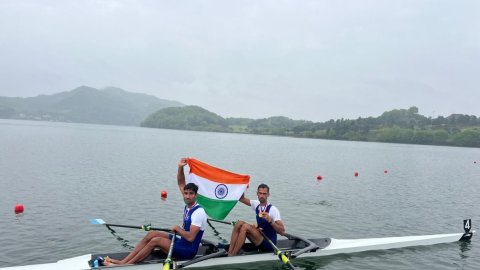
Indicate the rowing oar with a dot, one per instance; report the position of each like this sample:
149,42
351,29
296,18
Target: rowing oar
281,255
142,227
168,260
222,221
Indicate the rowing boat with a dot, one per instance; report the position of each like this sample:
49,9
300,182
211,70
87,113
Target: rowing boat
211,254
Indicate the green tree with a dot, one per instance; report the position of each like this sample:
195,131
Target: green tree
188,117
467,137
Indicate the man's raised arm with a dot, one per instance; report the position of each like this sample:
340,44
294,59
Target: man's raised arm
244,200
181,174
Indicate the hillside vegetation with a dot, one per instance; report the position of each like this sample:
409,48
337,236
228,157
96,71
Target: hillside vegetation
186,118
85,105
395,126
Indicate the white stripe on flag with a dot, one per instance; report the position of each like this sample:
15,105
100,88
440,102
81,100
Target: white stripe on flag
209,188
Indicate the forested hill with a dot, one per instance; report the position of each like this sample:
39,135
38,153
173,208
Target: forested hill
396,126
84,104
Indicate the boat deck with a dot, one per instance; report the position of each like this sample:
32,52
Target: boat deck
208,250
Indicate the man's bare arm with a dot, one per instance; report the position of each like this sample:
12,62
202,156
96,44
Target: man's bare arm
244,200
181,174
190,235
278,226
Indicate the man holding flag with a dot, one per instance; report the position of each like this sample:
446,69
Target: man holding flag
190,233
268,220
218,193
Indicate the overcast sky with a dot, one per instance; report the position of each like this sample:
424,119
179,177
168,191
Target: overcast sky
311,60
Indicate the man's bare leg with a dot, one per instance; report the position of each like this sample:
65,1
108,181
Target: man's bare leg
150,235
246,230
157,242
239,241
235,233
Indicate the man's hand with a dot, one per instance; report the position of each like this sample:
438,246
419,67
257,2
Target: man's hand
266,216
177,229
182,162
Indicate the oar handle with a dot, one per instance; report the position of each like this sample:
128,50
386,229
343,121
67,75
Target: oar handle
168,261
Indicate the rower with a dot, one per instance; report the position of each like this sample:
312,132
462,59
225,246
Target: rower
268,219
190,233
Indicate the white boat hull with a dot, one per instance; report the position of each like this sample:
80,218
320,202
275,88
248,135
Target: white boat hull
79,262
335,246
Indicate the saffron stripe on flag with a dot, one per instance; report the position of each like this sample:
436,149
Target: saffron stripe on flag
216,174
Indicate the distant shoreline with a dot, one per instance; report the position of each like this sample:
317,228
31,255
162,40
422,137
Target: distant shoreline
396,126
251,133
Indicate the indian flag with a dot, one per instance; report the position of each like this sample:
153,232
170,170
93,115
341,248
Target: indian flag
218,190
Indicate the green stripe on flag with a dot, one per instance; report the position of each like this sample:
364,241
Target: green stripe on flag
217,209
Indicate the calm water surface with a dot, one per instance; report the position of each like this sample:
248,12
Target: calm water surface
65,174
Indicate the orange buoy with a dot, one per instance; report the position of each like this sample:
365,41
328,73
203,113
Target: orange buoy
356,174
19,208
319,177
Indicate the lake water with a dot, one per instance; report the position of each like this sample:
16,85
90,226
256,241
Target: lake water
65,174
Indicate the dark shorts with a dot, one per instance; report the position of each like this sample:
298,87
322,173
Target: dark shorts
183,250
265,246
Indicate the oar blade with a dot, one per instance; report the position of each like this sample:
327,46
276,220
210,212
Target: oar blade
97,221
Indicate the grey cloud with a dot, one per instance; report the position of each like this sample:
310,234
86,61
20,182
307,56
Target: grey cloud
311,60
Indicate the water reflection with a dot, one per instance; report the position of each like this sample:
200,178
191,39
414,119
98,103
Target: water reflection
216,233
465,247
125,243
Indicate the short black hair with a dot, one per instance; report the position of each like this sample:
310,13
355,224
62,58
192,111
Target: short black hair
192,187
264,186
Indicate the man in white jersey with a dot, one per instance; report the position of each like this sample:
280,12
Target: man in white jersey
268,219
189,234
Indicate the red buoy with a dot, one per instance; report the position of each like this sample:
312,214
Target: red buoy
163,194
356,174
319,177
385,171
19,208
